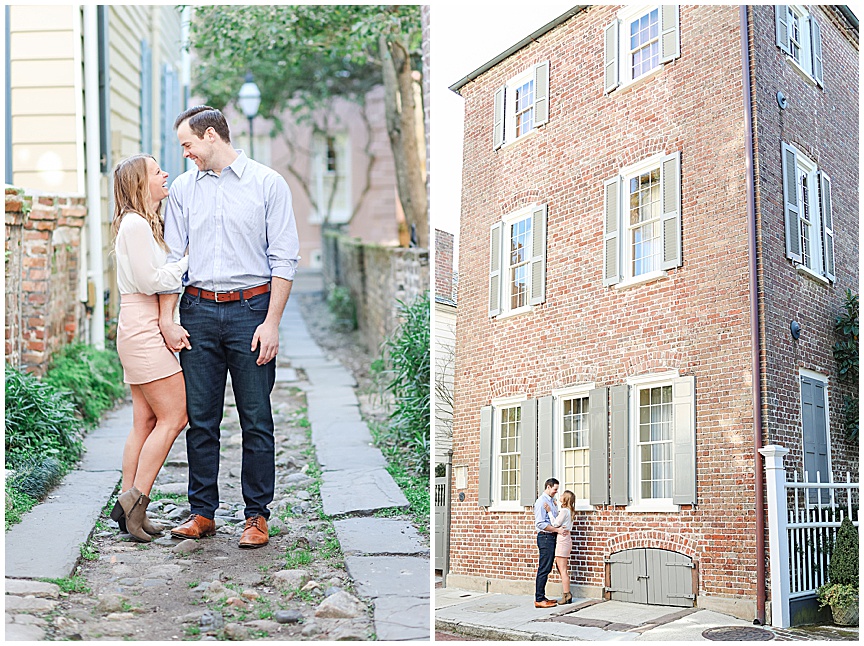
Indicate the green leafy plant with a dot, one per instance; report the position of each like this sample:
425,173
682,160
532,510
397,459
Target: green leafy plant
17,504
342,307
846,356
92,378
70,584
40,422
35,476
409,360
841,591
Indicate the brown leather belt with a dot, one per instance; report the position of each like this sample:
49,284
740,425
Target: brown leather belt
224,297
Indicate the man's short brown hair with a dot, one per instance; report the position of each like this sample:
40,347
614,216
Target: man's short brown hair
202,117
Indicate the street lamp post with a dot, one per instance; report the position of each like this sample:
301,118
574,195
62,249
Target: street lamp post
249,100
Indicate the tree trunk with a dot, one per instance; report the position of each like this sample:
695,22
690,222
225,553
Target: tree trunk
400,113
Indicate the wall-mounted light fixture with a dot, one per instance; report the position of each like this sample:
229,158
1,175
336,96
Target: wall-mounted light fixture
795,328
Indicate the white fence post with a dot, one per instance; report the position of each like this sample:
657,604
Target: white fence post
778,539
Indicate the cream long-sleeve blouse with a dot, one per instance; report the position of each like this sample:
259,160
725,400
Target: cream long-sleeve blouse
141,266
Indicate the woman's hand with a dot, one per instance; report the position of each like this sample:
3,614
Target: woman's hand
547,507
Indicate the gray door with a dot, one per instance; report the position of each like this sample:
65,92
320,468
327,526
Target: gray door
442,522
652,576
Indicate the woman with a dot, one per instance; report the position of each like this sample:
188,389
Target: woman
149,367
564,543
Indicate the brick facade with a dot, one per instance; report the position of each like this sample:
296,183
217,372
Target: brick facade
694,321
444,265
43,311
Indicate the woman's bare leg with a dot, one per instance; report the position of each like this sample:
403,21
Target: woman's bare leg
167,399
143,421
561,564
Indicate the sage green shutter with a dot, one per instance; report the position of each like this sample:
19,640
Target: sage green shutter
484,490
827,225
781,19
528,453
670,45
611,242
814,429
498,129
495,261
670,183
541,93
816,45
610,76
619,432
791,209
545,457
538,256
598,448
684,441
146,112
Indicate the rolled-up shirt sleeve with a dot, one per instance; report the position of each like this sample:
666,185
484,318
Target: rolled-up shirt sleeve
176,233
283,244
541,518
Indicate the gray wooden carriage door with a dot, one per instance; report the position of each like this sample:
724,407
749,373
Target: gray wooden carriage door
652,576
442,521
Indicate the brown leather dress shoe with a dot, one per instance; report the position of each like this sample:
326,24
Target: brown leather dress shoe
195,527
547,603
255,533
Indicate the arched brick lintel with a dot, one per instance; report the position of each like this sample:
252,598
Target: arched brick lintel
652,539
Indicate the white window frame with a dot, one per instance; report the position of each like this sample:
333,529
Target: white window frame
561,394
510,107
626,17
638,504
626,245
817,376
497,406
814,205
805,43
319,172
509,220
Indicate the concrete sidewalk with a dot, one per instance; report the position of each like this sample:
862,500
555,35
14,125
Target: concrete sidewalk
503,617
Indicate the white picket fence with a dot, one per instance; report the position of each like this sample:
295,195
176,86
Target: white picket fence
803,518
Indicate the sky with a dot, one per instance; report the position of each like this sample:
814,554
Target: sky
464,37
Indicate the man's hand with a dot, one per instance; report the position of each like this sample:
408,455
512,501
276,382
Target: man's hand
563,531
176,337
268,335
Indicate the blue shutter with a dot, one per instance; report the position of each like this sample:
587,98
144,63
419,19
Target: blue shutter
484,492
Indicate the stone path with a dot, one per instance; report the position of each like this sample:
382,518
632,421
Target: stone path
332,571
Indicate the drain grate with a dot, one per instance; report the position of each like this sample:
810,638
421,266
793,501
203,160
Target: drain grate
737,634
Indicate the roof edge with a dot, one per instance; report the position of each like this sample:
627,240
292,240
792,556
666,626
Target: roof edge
850,17
458,85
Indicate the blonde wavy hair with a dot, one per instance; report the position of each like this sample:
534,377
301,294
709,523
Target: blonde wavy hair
567,499
132,193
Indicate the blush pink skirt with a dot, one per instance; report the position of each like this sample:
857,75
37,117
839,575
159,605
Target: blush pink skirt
142,350
563,545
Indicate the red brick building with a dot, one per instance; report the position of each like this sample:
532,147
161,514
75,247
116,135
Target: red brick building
624,170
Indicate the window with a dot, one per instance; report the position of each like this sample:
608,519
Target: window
517,274
642,236
652,439
574,440
509,433
331,178
808,216
639,41
521,105
799,36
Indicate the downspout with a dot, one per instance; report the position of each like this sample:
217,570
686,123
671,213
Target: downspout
95,269
756,360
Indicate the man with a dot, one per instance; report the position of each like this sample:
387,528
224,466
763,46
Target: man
236,217
547,534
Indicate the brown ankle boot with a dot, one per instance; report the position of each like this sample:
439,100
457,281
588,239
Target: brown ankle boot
118,515
134,505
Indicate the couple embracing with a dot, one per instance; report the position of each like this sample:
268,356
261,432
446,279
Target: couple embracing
229,243
554,541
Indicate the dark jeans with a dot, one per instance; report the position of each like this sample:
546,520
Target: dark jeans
221,335
546,545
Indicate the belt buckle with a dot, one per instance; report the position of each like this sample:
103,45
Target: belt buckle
216,297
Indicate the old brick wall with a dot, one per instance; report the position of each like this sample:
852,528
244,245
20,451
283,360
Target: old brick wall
444,287
695,320
822,123
377,278
43,311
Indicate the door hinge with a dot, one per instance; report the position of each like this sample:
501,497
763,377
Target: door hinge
617,590
681,596
690,565
617,562
643,576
